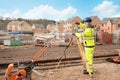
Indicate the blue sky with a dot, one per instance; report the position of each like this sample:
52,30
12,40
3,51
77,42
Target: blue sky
59,9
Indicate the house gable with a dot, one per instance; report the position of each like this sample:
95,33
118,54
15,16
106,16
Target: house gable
19,26
110,24
117,24
60,26
12,26
95,21
24,26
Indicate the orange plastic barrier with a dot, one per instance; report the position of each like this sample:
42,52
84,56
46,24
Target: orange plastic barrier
105,37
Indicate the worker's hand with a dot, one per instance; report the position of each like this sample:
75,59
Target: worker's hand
76,34
77,23
80,30
73,33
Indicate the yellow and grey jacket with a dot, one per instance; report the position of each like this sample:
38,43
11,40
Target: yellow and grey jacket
87,35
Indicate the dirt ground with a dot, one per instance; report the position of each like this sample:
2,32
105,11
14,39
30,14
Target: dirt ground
22,53
103,71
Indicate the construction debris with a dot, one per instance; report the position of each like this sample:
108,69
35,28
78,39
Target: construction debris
116,37
101,72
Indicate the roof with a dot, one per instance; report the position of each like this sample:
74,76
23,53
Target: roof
92,17
39,25
71,19
112,20
14,23
60,22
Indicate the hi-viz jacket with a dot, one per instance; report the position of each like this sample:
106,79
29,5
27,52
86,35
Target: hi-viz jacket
87,35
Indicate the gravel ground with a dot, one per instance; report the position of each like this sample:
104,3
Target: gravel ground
103,71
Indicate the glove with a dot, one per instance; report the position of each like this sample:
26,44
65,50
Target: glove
77,35
81,25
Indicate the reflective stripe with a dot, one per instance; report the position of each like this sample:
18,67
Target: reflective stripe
89,38
90,65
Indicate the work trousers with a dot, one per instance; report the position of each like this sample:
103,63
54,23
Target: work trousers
89,57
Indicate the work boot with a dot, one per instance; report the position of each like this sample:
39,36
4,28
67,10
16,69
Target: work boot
86,72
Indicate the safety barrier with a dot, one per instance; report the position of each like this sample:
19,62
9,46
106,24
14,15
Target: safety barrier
105,37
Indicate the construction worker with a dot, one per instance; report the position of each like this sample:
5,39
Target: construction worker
87,37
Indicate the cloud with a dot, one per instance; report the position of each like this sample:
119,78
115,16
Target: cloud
15,14
49,12
44,12
106,8
116,15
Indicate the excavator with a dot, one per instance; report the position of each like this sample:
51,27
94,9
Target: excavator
24,70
